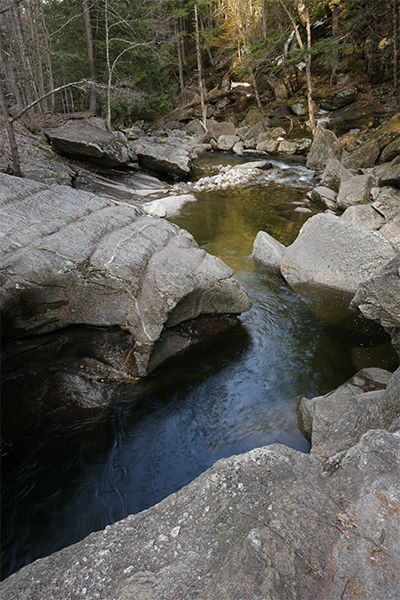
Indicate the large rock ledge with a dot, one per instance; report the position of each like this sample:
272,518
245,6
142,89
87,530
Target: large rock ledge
272,523
72,260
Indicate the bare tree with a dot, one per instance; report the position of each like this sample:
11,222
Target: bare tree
200,70
305,17
24,57
89,43
335,34
10,133
395,8
180,61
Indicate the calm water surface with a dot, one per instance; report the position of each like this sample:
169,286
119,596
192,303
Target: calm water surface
70,474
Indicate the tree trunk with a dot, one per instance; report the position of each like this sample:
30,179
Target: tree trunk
255,88
180,63
210,57
264,19
37,62
48,58
335,34
24,58
306,17
10,74
109,70
10,132
396,51
89,43
308,71
199,68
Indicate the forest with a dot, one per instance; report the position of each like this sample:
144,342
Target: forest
129,59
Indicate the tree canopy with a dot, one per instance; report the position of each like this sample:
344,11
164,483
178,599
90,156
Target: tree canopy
138,57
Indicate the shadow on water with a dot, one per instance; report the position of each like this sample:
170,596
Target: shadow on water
70,474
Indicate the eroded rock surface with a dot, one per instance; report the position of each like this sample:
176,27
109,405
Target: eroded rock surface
69,258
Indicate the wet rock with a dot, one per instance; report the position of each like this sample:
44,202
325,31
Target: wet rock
325,146
267,251
80,138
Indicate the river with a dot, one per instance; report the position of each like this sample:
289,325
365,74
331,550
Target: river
75,472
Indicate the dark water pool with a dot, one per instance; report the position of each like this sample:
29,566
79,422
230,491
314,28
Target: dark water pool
72,473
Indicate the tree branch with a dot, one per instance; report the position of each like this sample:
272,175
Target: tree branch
59,89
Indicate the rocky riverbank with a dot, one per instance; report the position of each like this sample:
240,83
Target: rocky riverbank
272,523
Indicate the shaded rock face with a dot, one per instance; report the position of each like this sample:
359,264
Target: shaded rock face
83,139
378,298
336,421
337,99
70,258
334,174
355,190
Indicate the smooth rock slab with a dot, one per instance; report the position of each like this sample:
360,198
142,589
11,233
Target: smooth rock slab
272,523
83,139
267,251
333,253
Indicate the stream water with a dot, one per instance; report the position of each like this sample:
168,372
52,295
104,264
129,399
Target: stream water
73,473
